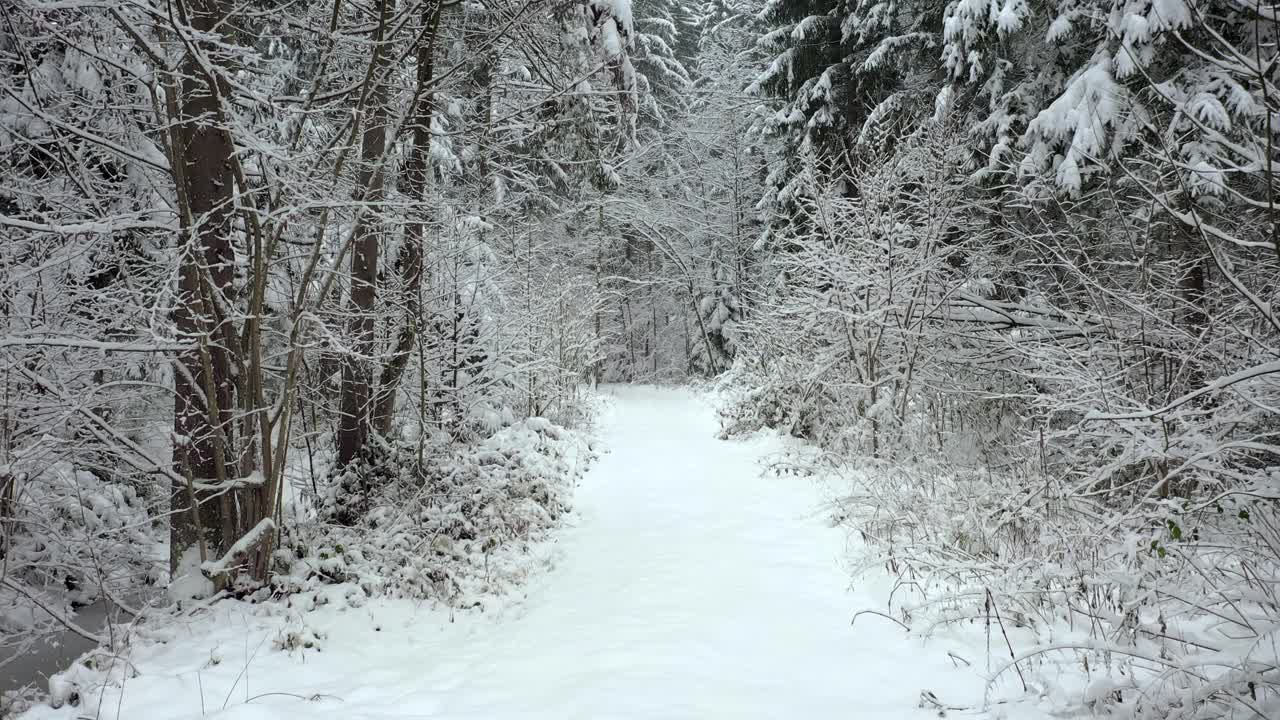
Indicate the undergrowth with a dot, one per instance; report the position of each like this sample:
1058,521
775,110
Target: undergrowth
1090,603
451,528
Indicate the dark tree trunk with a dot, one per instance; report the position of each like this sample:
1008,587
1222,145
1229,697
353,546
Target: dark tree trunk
355,404
204,385
417,171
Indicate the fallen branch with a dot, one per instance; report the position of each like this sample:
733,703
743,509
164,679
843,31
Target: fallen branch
239,551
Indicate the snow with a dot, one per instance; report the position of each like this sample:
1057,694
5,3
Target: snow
1081,116
1058,29
620,10
690,585
188,582
1169,14
609,33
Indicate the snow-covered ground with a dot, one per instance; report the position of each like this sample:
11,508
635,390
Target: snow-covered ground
688,585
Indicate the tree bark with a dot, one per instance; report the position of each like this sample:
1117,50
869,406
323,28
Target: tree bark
204,385
416,173
354,408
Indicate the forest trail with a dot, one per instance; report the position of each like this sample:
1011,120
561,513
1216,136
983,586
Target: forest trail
696,587
689,585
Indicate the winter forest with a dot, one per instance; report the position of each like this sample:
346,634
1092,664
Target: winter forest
325,316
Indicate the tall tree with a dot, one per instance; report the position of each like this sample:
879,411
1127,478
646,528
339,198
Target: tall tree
215,505
415,181
355,405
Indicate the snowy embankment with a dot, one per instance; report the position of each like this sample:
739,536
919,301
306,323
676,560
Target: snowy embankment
687,585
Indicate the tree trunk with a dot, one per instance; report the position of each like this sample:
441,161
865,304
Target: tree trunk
204,385
354,411
417,171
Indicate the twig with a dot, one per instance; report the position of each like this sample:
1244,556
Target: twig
312,698
883,615
1012,656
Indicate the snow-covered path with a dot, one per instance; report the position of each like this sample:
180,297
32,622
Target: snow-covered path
694,587
690,586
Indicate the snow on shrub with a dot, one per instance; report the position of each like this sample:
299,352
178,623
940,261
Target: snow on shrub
1166,613
452,528
72,528
73,538
1057,437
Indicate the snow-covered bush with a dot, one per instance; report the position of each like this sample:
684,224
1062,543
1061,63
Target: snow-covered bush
1063,413
451,527
1160,612
73,539
852,350
71,528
